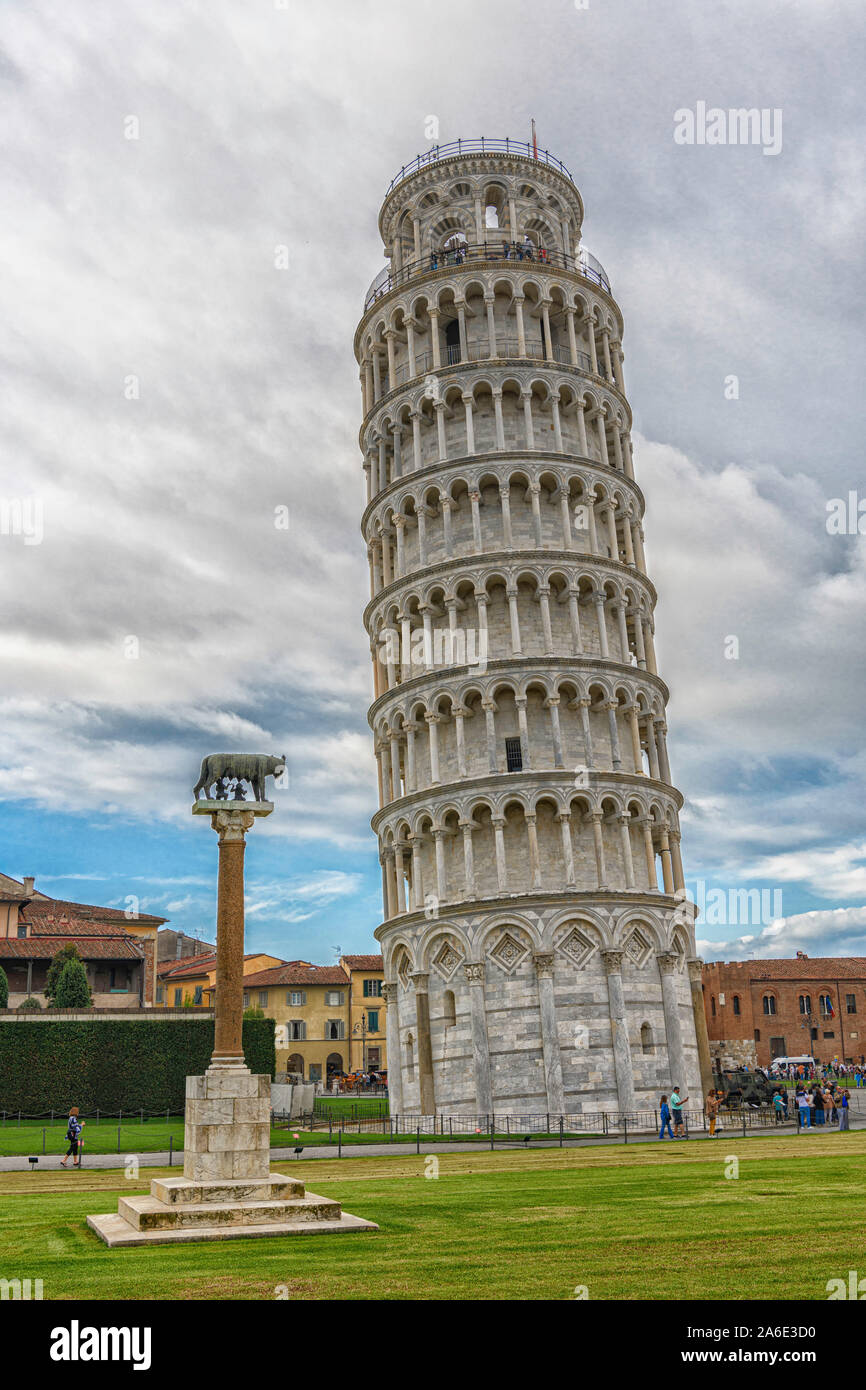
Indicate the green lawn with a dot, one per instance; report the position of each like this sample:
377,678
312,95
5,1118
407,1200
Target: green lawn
645,1222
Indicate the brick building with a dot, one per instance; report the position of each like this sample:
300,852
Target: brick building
761,1009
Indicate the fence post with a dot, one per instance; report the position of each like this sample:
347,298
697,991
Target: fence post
118,1138
170,1148
418,1138
625,1129
43,1141
560,1131
604,1122
743,1113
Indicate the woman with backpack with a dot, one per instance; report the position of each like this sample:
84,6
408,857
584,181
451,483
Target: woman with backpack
73,1130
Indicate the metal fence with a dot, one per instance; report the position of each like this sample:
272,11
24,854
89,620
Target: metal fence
500,249
480,146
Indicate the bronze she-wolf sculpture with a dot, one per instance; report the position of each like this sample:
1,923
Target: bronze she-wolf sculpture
246,767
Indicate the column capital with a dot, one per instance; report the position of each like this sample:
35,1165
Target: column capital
232,824
389,991
544,964
612,961
667,962
696,969
421,980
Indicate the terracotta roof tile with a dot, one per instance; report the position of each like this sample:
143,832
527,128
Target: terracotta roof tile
364,962
297,975
45,948
811,968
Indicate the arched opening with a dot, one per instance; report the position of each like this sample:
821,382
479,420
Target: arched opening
295,1065
646,1038
452,341
449,1009
334,1064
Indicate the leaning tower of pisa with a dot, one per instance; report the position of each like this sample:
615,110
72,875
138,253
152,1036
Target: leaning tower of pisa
539,951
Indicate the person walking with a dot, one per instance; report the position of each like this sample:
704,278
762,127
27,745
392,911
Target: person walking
779,1107
665,1112
73,1130
714,1100
803,1109
843,1111
677,1112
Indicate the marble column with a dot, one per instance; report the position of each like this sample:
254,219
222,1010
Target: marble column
474,972
667,963
612,962
549,1034
392,1042
695,967
421,981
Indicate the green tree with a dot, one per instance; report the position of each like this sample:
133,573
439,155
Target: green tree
30,1003
73,991
55,969
4,989
254,1012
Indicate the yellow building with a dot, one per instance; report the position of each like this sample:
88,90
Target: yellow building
310,1004
367,1051
193,980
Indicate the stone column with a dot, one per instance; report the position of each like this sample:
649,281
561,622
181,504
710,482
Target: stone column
699,1014
612,962
421,981
667,963
392,1042
549,1034
474,972
231,826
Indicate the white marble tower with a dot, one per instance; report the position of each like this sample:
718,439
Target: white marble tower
537,956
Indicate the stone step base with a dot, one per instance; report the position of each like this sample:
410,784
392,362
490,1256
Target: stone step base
150,1214
177,1190
116,1232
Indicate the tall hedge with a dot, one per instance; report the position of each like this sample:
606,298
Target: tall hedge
118,1064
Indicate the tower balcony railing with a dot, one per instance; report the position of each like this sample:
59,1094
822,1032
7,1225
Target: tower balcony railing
493,250
483,146
506,348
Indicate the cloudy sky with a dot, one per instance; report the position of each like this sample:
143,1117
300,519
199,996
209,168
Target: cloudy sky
167,385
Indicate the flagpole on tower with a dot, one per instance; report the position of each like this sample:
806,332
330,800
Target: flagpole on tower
534,141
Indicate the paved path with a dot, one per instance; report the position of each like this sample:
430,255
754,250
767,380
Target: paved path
51,1162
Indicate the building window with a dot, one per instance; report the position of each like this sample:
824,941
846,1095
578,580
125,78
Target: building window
757,1035
178,998
296,998
263,998
373,1021
374,1058
828,1035
805,1003
713,1005
825,1004
777,1047
334,998
513,755
850,1003
736,1005
335,1030
769,1004
160,993
646,1038
372,989
22,929
297,1029
246,1000
198,996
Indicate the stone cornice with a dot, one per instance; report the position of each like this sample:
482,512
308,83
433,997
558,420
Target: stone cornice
519,902
496,364
491,457
521,667
542,778
542,557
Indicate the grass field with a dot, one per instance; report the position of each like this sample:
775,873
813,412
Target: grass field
649,1222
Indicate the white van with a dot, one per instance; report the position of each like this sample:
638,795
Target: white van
779,1062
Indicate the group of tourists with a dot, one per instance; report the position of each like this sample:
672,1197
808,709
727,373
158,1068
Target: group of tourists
820,1105
855,1072
511,251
